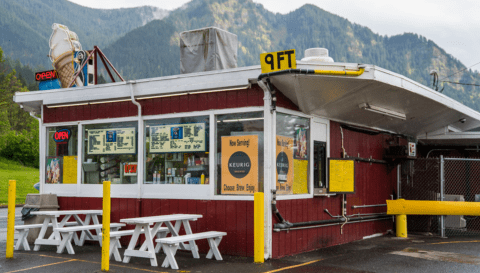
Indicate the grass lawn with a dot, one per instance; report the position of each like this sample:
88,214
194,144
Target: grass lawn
26,177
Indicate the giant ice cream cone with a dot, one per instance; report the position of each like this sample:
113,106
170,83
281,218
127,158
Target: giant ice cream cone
64,67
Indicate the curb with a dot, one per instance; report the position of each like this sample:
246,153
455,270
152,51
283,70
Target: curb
6,206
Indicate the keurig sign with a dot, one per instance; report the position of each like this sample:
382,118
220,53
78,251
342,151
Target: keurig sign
284,164
239,164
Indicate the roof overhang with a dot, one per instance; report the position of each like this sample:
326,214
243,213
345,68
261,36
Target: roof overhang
228,79
344,99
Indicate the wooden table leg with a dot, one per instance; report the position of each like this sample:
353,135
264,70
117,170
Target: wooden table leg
41,235
133,242
192,244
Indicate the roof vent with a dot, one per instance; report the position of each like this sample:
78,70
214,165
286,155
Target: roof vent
207,49
317,55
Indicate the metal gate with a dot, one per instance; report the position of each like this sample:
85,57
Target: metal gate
447,179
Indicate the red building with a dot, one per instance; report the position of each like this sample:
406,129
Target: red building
205,142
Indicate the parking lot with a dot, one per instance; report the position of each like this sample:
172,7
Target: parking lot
380,254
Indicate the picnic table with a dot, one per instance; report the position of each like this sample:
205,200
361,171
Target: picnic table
147,250
55,237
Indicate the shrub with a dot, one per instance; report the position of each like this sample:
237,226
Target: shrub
21,146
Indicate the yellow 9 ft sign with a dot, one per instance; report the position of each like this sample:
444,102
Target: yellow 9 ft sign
276,61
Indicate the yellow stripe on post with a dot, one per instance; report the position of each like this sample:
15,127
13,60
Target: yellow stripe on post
411,207
11,217
106,227
258,227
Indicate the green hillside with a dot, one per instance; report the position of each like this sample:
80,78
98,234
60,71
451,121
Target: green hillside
144,50
25,26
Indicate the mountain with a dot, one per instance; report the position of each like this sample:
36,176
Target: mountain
141,47
25,26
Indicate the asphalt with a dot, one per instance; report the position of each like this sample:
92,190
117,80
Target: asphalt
380,254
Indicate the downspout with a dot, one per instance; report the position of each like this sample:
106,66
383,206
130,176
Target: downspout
32,114
140,142
269,125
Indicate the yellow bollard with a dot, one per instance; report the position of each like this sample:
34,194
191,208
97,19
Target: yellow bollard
258,227
106,227
11,217
401,224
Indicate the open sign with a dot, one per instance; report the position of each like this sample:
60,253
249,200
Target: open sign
62,135
130,169
46,75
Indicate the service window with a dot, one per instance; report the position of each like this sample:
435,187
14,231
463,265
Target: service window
176,151
239,153
61,159
110,153
319,167
292,154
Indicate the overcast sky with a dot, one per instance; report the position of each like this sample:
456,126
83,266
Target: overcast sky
453,25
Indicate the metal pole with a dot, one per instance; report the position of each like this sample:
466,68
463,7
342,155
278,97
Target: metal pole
442,189
11,217
399,181
258,227
106,227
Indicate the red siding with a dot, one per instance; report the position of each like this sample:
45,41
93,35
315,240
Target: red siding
234,217
166,105
374,184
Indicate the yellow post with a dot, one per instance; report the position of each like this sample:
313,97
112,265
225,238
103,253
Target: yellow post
11,217
401,225
258,227
106,227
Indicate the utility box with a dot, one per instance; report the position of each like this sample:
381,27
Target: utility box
207,49
38,202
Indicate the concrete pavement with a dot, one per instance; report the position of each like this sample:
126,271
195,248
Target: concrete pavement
381,254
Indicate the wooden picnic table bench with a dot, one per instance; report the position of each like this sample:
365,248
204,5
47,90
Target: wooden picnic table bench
171,244
67,234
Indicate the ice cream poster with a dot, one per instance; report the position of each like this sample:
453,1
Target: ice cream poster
301,142
54,175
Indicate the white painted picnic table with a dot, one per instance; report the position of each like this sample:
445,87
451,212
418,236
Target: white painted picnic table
55,238
147,250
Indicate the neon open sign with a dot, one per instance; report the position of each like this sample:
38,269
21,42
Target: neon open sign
46,75
62,135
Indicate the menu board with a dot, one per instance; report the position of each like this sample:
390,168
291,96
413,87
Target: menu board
173,138
111,141
342,176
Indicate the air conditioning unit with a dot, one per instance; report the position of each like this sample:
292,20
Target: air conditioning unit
454,221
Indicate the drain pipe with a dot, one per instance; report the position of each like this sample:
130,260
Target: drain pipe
32,114
140,143
283,223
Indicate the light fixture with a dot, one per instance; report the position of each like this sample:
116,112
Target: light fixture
462,120
382,111
239,120
66,105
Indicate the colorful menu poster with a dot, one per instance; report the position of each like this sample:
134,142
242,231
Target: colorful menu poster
239,164
284,164
188,137
111,141
70,169
53,174
301,142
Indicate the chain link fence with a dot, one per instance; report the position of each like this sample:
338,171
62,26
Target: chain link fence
453,179
462,183
420,180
